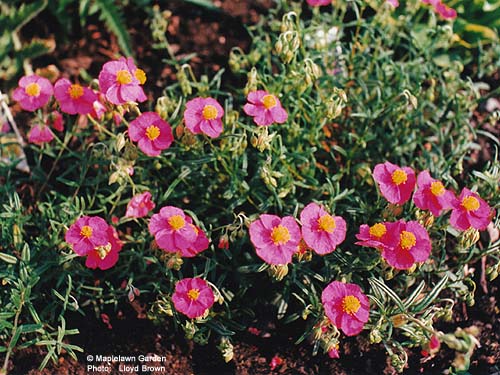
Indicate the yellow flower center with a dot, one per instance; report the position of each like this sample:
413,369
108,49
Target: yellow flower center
123,77
269,101
193,294
280,235
75,91
437,188
209,112
140,75
327,223
350,305
470,203
399,177
407,240
176,222
103,251
86,231
33,89
378,230
152,132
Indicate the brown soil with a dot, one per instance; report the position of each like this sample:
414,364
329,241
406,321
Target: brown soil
131,336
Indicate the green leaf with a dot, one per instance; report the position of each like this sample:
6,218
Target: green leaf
380,285
28,328
204,4
409,301
23,15
432,294
34,49
113,19
8,258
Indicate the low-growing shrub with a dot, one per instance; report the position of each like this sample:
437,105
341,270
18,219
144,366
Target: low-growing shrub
334,188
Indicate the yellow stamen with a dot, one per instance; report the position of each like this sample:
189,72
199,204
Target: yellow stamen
327,223
209,112
176,222
75,91
33,89
123,77
280,235
350,305
86,231
140,75
269,101
470,203
378,230
437,188
193,294
407,240
399,177
152,132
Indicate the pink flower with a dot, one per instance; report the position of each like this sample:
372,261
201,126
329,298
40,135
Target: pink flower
55,120
265,108
469,210
445,11
380,235
275,362
203,115
396,183
223,242
414,246
39,134
5,127
316,3
105,257
87,233
140,205
431,347
200,243
98,109
346,306
394,3
120,81
33,92
275,239
193,297
431,194
74,98
152,133
334,353
440,8
321,231
173,229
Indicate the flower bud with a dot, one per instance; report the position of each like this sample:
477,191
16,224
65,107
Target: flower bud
252,80
175,262
278,272
469,238
183,80
226,349
375,336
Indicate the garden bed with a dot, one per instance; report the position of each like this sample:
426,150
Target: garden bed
266,346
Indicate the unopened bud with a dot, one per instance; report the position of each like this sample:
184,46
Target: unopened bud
252,80
375,336
278,272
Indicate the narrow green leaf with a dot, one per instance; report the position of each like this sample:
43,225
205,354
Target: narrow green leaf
8,258
432,294
388,291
